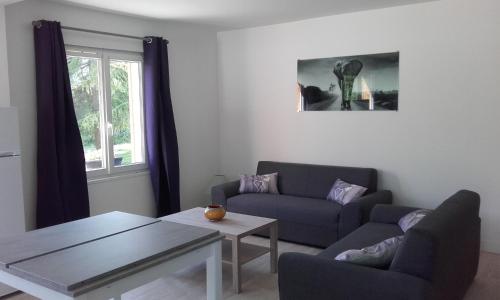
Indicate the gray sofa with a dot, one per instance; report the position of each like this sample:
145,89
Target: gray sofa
304,215
437,260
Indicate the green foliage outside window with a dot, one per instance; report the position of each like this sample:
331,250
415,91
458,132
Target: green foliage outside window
120,102
84,77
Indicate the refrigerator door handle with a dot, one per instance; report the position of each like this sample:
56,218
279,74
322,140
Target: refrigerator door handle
7,154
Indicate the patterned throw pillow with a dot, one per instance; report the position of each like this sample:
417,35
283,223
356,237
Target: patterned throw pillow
254,184
378,255
343,192
411,219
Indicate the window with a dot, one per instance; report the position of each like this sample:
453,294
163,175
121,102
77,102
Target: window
107,95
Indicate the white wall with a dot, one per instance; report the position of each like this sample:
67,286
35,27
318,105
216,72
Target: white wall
445,136
192,53
4,75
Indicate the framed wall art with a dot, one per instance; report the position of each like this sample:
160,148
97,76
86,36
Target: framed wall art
349,83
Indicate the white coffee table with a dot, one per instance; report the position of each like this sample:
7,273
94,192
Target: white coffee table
235,227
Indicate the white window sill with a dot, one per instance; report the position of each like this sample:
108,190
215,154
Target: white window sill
117,176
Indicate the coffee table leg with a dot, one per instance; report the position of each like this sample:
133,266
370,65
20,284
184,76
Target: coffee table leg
273,240
236,265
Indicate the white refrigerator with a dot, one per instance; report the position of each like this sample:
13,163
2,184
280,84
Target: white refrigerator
12,219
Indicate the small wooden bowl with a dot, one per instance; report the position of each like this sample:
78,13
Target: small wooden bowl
215,213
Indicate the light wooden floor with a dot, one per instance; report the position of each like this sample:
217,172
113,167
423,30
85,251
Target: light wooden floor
259,284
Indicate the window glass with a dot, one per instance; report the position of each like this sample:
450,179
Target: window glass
86,89
126,112
107,94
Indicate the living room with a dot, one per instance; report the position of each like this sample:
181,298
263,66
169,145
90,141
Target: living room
233,70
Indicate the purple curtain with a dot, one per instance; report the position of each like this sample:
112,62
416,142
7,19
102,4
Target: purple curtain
62,193
161,136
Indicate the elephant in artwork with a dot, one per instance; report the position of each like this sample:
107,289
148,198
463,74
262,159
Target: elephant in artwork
346,72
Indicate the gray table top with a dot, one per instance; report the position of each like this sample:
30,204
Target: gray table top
43,241
74,268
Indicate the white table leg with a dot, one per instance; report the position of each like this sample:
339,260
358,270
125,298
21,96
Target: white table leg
214,273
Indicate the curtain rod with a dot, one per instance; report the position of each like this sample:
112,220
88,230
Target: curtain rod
38,24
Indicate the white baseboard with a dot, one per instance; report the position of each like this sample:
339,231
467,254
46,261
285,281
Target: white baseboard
490,246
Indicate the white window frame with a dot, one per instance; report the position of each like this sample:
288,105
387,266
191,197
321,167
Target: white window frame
105,108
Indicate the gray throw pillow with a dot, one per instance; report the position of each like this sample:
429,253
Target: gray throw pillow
343,192
273,183
378,255
254,184
409,220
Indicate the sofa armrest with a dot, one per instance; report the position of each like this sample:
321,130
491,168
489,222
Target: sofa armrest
389,214
356,213
221,192
303,277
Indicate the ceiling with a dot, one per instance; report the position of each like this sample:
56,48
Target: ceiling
6,2
232,14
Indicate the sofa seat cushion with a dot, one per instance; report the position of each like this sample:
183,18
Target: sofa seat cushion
365,236
262,205
308,211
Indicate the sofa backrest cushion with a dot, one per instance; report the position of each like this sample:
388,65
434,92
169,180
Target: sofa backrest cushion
315,181
443,248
